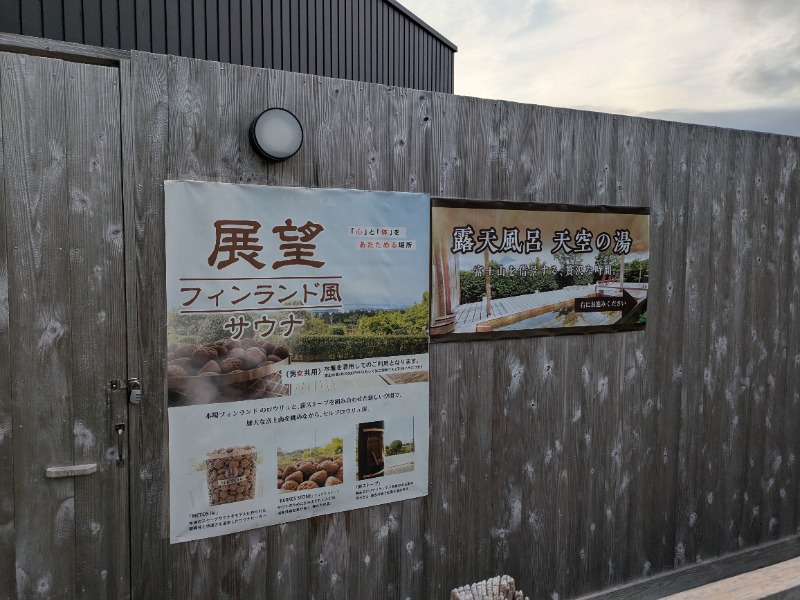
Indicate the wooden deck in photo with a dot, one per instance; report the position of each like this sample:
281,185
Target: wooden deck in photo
510,310
337,384
347,382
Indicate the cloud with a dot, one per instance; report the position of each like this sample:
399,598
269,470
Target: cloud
627,56
770,71
783,120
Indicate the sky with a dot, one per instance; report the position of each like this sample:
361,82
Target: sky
730,63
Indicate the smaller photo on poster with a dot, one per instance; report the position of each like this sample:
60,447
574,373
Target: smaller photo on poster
385,447
506,270
231,474
224,370
223,475
310,461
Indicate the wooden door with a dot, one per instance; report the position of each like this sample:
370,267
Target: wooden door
62,332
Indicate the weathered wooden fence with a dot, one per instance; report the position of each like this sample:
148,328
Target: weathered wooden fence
570,463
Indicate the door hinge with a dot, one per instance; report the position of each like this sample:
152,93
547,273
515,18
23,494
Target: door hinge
133,386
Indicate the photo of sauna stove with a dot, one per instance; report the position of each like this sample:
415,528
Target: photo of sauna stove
370,450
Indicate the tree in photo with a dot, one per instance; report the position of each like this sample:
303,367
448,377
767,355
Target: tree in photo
571,270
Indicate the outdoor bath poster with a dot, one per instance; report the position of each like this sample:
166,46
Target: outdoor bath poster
502,269
298,360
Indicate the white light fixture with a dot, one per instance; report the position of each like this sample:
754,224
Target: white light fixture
276,134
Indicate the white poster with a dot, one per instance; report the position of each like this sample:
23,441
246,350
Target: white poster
298,353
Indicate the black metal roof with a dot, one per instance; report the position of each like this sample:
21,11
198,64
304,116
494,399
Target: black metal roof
378,41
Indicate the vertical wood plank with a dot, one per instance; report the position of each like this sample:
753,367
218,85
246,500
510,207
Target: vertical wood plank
772,319
291,561
97,304
327,131
207,566
636,183
705,412
384,537
150,570
196,98
410,131
695,336
642,178
131,348
753,410
613,372
7,526
531,412
188,110
458,423
407,152
456,433
763,436
790,483
738,382
730,343
35,179
668,308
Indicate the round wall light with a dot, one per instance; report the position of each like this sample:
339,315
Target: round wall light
276,134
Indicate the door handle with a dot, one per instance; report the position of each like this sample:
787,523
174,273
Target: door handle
72,470
119,428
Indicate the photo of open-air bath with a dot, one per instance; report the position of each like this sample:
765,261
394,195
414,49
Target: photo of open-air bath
542,270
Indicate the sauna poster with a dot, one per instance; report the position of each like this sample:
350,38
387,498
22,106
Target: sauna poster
297,358
503,270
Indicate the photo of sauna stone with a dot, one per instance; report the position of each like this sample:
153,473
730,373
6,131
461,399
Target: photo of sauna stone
231,474
225,371
310,468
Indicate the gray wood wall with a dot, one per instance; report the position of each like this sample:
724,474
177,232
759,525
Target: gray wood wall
570,463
